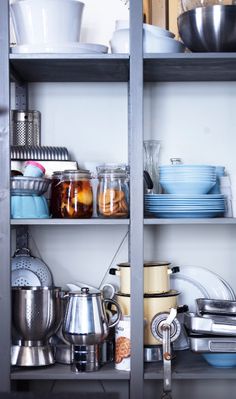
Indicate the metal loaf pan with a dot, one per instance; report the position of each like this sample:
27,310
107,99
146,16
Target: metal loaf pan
212,344
213,326
216,306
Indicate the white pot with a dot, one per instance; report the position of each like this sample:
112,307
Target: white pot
152,306
156,277
47,21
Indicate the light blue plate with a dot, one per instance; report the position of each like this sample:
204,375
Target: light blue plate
224,360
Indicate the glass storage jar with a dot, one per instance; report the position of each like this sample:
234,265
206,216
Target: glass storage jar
55,202
76,194
113,191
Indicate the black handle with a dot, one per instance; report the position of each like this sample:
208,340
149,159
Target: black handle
175,269
182,309
148,180
112,271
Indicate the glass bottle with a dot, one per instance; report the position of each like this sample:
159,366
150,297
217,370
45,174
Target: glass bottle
151,159
113,191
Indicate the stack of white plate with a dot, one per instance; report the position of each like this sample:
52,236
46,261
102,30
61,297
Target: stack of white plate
184,206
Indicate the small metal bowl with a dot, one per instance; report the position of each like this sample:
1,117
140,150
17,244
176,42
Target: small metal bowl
211,28
21,185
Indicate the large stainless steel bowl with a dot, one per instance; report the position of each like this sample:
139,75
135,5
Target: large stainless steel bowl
211,28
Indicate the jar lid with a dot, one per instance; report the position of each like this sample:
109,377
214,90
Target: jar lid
57,173
77,174
112,169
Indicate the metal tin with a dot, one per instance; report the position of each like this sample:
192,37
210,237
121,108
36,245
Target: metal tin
216,306
213,344
215,325
25,128
39,153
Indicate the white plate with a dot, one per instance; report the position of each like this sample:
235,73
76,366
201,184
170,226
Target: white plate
189,289
99,17
212,282
22,278
75,48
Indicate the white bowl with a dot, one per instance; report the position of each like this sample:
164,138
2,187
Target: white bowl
161,44
47,21
151,43
155,30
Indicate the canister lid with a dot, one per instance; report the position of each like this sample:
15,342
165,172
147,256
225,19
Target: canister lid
147,264
163,295
76,174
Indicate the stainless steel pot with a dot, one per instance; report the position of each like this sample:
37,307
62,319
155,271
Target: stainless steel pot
85,321
156,277
153,304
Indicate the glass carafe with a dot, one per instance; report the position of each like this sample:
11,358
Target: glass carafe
151,158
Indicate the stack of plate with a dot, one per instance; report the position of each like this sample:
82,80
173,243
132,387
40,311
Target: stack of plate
184,206
187,179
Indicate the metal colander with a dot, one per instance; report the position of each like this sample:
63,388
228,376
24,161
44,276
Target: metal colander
25,128
22,259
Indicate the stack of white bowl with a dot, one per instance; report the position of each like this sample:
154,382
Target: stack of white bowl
187,179
49,26
155,39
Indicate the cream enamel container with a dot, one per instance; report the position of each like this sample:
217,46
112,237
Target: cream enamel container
156,277
153,304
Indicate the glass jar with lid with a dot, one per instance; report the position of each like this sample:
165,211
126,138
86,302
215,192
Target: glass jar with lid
76,195
55,203
113,191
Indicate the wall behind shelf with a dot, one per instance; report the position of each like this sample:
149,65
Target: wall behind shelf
196,122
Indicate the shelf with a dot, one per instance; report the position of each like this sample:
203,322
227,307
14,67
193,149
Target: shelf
214,221
70,67
189,366
68,222
190,67
63,372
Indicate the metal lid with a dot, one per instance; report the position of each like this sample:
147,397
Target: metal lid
166,294
146,264
85,292
112,170
77,174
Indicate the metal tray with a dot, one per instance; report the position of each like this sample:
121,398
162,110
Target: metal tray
39,153
212,344
215,325
216,306
21,185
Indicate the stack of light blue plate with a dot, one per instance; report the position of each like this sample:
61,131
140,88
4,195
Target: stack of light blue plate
184,206
187,179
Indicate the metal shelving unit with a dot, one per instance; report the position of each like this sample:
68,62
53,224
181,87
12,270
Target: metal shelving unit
133,69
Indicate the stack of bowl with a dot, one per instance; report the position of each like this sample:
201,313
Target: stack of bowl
187,179
155,39
158,297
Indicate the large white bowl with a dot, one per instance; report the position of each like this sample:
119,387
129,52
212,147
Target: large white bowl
151,43
47,21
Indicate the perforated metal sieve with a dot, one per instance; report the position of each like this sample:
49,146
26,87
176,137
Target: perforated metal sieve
22,259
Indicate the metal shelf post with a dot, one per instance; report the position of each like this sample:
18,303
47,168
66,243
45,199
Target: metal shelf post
5,291
136,196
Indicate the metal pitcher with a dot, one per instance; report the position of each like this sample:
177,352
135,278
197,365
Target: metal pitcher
85,321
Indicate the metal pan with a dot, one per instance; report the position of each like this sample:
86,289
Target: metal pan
213,326
213,344
216,306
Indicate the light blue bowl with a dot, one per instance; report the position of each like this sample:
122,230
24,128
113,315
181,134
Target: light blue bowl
224,360
29,207
188,187
220,171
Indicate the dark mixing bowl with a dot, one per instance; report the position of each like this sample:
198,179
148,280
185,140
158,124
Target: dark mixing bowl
211,28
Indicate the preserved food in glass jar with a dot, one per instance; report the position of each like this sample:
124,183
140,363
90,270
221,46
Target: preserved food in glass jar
113,191
55,204
76,195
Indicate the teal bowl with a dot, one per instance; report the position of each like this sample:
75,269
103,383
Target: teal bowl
222,360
